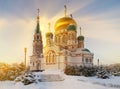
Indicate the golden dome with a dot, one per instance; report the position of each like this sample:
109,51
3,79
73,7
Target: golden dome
49,34
63,23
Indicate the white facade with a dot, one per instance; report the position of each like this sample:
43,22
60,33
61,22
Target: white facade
65,49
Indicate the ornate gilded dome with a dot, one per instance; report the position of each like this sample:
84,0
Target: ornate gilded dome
49,34
63,23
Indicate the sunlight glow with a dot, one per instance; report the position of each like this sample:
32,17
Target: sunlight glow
100,27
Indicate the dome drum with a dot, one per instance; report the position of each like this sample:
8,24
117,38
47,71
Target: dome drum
81,38
49,34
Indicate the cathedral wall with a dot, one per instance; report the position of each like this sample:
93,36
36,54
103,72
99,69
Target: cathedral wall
74,61
61,62
51,66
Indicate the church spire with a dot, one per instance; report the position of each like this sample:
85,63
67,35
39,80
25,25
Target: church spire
80,37
65,10
71,15
38,26
80,40
80,31
49,34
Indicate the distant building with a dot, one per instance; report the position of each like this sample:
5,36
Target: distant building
62,48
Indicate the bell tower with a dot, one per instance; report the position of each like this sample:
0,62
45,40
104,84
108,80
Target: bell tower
37,42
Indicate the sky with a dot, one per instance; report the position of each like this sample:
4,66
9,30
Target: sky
99,20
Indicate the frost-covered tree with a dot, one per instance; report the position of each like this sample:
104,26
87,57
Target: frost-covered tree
103,74
10,72
81,70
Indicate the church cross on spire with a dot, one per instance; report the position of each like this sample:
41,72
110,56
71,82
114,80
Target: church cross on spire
65,10
80,31
71,15
38,17
38,26
38,11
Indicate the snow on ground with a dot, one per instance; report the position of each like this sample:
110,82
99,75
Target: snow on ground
49,75
111,82
50,71
70,82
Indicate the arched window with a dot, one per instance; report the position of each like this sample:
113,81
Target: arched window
82,59
38,65
56,39
53,58
50,58
59,39
86,60
47,59
33,64
64,39
73,36
37,37
69,36
90,60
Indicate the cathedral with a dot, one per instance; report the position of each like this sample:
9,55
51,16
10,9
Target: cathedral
63,47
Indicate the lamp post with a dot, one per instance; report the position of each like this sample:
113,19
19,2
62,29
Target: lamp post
25,51
98,63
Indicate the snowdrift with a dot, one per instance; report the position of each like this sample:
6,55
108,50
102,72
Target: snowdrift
49,75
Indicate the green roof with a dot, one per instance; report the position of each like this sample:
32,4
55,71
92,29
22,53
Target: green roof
81,38
71,27
38,28
85,49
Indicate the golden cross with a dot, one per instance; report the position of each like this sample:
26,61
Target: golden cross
80,31
65,10
38,17
38,11
71,15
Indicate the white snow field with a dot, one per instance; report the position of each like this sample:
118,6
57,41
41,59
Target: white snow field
111,82
69,82
49,75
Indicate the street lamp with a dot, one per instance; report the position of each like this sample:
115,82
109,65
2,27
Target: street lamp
25,51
